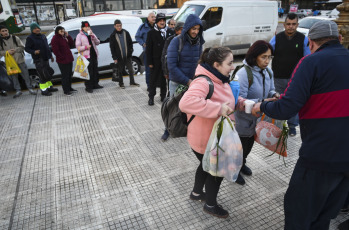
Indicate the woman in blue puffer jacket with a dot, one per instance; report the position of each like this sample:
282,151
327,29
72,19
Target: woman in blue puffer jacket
182,64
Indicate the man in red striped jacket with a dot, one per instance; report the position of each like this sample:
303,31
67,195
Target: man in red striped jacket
319,91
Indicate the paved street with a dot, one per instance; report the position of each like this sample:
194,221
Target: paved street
95,161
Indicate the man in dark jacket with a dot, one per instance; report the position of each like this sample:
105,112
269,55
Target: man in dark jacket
319,90
155,43
36,44
289,47
121,48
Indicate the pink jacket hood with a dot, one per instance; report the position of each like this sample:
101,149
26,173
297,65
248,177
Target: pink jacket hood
206,111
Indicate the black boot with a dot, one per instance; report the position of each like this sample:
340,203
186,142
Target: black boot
151,101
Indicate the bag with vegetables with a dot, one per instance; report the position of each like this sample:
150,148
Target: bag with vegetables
272,134
223,155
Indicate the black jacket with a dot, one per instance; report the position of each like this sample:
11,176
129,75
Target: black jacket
38,42
116,49
155,44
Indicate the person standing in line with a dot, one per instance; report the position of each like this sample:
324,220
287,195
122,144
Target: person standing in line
15,47
178,30
36,44
141,38
262,88
87,42
289,47
155,44
61,44
171,24
215,63
319,91
121,47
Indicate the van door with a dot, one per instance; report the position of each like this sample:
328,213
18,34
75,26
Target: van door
214,32
238,21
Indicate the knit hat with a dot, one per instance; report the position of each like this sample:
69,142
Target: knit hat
85,24
323,28
160,16
178,26
33,26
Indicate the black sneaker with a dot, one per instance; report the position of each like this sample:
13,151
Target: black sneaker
201,197
46,93
240,180
3,93
134,84
246,170
151,101
292,132
344,210
165,136
122,86
73,90
98,87
18,94
51,89
68,94
216,211
89,90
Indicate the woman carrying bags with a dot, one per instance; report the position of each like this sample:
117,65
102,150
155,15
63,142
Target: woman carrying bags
61,44
259,88
86,43
216,63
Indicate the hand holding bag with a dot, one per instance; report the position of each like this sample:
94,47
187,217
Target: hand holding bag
11,65
81,70
223,155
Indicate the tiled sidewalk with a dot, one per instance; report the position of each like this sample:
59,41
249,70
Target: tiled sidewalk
95,161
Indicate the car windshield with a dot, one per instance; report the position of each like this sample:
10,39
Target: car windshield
307,23
184,12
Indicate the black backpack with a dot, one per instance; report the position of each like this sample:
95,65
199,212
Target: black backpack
249,73
174,119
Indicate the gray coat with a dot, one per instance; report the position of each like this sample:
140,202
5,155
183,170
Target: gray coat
246,123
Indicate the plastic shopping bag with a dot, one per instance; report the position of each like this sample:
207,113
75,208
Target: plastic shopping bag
272,134
223,155
11,65
81,70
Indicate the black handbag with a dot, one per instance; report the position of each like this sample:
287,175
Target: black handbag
6,82
115,76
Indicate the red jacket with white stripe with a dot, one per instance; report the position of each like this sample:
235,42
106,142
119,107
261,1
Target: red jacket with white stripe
319,91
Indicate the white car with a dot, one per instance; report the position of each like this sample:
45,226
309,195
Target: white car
306,23
102,26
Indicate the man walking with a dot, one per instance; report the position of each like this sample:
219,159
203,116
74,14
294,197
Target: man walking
141,38
289,47
37,46
155,44
13,45
121,48
319,91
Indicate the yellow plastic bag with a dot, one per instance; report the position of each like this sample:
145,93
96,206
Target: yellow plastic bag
81,70
11,65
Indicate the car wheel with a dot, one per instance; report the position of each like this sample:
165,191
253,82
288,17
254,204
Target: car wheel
34,77
136,67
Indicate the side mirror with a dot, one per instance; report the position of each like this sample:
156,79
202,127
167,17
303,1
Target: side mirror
204,24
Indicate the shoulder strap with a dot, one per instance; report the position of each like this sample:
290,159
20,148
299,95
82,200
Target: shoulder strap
249,75
209,95
14,40
180,46
269,72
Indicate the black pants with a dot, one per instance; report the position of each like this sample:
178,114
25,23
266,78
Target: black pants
93,71
66,71
210,182
157,76
121,67
247,144
313,198
45,72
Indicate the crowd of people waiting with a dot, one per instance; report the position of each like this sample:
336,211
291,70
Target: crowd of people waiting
308,76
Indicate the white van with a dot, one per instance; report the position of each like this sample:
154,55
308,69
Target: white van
102,26
236,24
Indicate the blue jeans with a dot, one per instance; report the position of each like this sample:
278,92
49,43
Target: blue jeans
172,87
280,87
